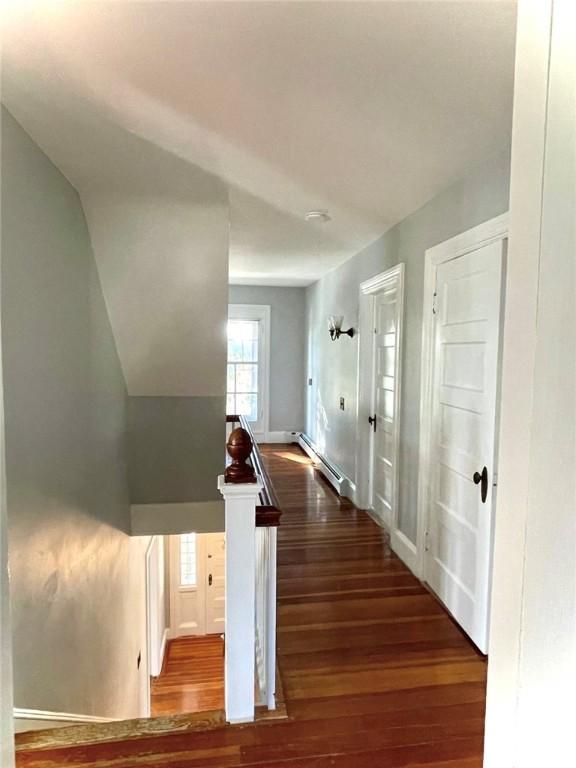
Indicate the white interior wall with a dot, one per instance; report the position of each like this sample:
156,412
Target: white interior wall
6,675
532,667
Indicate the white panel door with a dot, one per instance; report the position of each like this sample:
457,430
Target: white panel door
186,592
197,588
463,446
385,392
215,545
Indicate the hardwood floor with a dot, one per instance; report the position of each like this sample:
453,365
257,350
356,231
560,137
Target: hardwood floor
375,672
192,678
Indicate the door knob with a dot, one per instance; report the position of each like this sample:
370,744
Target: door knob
482,480
372,420
210,580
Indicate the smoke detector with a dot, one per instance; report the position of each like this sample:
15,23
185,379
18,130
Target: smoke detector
318,216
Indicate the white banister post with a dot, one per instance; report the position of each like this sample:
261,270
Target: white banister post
239,670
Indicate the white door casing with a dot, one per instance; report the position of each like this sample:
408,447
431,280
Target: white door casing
379,387
463,433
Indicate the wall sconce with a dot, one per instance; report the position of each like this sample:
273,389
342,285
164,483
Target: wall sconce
335,327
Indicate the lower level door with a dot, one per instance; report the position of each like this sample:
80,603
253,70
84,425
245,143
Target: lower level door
214,575
197,596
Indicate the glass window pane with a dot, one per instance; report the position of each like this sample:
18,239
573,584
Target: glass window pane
242,374
188,560
246,377
234,349
231,378
243,340
247,405
250,350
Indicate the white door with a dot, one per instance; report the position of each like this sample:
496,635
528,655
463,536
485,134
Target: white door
197,584
186,594
215,581
385,412
463,446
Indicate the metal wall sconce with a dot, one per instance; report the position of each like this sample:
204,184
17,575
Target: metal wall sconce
335,327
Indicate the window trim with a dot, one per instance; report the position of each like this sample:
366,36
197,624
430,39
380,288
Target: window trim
260,312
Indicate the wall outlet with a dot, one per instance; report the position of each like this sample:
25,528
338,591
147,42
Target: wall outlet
139,661
341,403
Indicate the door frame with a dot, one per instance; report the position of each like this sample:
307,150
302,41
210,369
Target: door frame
156,571
488,232
369,289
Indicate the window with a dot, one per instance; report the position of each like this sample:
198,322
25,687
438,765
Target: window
242,388
248,355
188,560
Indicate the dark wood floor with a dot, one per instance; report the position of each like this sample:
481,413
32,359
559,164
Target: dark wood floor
192,677
375,673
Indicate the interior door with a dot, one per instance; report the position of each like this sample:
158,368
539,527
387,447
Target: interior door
463,447
215,590
186,592
197,586
385,412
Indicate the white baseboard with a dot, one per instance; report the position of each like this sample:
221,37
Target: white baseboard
337,479
378,520
406,551
41,719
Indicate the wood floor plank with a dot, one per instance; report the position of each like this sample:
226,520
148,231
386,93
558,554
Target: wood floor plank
375,673
192,677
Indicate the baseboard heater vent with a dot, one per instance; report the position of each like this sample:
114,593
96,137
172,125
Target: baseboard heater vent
335,477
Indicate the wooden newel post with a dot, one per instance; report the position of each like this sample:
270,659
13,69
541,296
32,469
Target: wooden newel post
240,488
239,447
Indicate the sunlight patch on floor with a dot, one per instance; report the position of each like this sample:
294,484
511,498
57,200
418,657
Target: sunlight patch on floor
292,457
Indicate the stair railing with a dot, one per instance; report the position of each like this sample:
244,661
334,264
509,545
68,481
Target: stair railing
252,518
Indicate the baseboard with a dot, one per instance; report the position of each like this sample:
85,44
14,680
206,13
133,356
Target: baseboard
278,437
337,479
378,520
406,551
165,638
40,719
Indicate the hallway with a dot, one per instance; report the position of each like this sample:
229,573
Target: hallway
375,673
192,677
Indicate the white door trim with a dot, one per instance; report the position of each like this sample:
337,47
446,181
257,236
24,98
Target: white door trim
488,232
262,313
364,442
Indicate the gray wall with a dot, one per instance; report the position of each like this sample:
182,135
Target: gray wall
287,350
76,576
176,448
333,366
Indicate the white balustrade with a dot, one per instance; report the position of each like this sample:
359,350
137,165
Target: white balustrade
266,614
240,638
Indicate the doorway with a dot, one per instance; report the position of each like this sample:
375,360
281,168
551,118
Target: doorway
197,599
380,376
460,394
191,678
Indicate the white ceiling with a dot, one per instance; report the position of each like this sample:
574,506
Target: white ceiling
366,109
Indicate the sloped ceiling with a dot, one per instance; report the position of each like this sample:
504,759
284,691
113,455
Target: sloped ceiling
366,109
